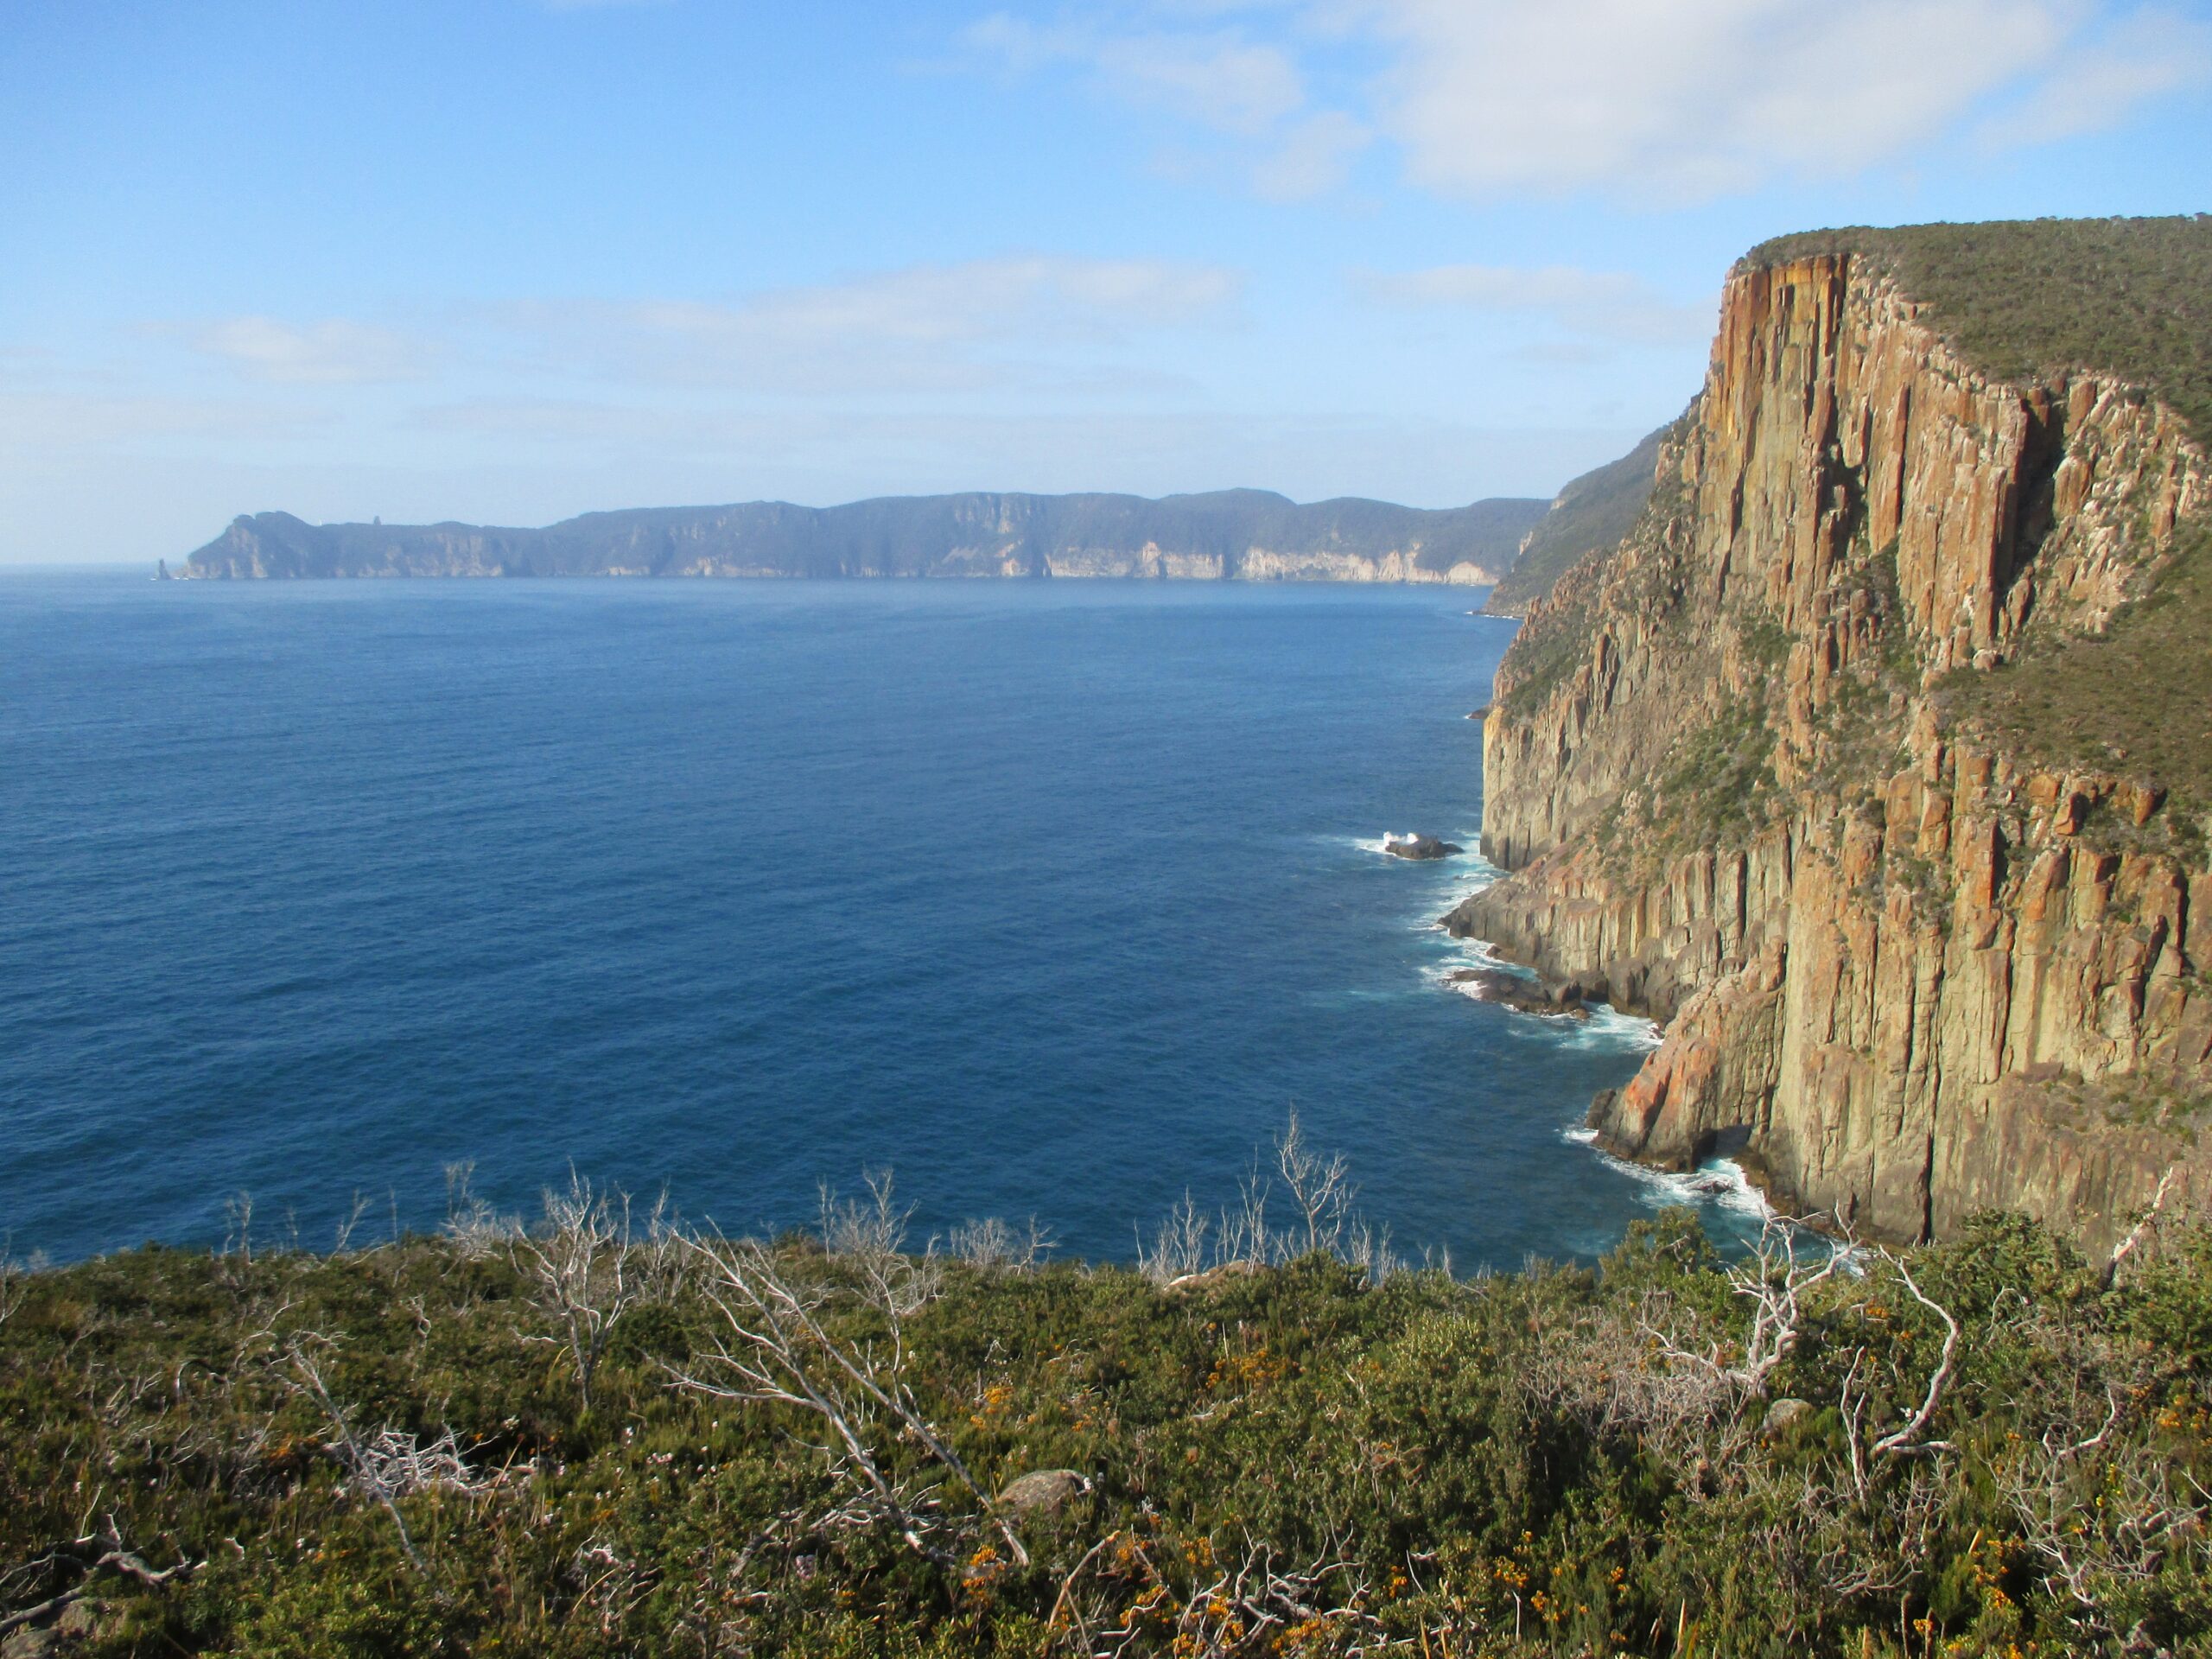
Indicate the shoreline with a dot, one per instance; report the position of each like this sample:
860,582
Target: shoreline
1745,1183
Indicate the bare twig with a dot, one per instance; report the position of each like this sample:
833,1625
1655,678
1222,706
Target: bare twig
114,1556
1775,1283
1905,1442
385,1465
2144,1226
778,1352
585,1270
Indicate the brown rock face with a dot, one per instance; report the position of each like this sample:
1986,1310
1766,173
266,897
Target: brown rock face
1913,977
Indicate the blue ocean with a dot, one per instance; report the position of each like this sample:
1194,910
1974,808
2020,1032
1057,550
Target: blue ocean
1052,898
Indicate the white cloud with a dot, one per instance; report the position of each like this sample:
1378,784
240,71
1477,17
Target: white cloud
1691,100
63,421
1605,304
1656,103
333,352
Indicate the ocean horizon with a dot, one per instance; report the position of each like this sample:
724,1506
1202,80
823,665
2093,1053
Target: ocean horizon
1054,898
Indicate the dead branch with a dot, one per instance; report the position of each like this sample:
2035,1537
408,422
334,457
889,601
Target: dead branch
585,1270
1905,1442
112,1557
993,1246
869,1236
476,1228
780,1353
1320,1188
1775,1283
2144,1226
385,1465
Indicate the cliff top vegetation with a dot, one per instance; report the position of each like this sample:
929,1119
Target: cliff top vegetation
2026,298
602,1434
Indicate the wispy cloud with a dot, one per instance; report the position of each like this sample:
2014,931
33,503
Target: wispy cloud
1604,304
1221,80
981,323
1218,78
333,351
1692,99
63,421
2149,54
1033,320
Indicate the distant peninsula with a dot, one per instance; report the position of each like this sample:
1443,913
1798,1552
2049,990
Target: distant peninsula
1252,535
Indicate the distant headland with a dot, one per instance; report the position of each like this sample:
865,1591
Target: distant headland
1253,535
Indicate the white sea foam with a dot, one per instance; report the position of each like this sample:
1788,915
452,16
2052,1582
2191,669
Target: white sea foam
1611,1030
1718,1182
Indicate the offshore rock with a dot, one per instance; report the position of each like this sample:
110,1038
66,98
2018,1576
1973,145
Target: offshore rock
1420,847
1911,976
1525,996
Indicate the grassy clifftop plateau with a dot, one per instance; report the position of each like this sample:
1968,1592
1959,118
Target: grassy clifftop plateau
2025,299
595,1439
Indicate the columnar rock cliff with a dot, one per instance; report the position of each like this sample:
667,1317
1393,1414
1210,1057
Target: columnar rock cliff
1741,771
1251,534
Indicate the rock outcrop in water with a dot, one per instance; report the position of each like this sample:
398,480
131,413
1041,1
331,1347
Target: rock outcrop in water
1248,534
1421,847
1744,773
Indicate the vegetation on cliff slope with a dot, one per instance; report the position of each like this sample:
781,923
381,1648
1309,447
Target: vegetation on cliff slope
597,1438
2022,299
2135,700
1590,516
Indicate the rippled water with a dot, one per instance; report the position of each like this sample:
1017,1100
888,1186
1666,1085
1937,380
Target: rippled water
1054,897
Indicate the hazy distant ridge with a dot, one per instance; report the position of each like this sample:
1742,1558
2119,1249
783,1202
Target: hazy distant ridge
1252,534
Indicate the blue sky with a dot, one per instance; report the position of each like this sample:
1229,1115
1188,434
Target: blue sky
510,261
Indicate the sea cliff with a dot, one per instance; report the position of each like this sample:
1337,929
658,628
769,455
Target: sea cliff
1752,771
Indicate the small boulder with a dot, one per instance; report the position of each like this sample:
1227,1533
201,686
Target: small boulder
80,1619
1041,1491
1784,1416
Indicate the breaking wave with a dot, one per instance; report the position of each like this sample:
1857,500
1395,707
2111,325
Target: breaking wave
1716,1184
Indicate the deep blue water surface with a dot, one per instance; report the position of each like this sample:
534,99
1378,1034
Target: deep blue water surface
1053,897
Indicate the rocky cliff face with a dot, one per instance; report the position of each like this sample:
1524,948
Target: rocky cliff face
1734,767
